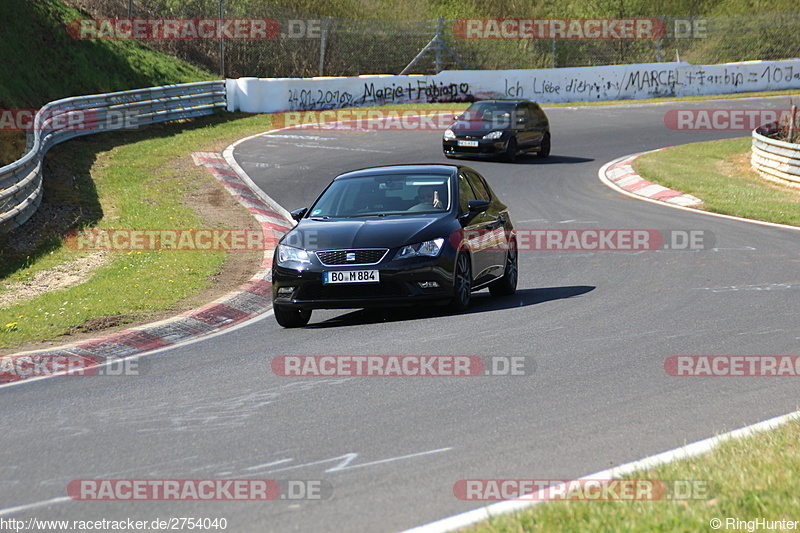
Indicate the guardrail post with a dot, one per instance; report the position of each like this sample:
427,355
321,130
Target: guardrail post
323,44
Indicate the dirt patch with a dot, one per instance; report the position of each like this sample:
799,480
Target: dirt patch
59,277
101,323
215,208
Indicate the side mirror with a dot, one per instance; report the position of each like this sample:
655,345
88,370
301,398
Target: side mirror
478,206
297,214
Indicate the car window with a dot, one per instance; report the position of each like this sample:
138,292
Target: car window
497,113
386,194
524,112
539,113
478,186
465,193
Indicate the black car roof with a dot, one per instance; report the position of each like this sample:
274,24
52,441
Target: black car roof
412,168
508,101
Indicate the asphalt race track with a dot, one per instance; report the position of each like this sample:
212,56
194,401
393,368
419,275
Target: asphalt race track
597,325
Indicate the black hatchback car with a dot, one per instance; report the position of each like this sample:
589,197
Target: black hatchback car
498,128
392,236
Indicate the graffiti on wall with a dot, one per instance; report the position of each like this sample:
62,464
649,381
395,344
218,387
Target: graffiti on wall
546,86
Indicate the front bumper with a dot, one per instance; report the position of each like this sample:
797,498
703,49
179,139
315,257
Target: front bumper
399,285
484,149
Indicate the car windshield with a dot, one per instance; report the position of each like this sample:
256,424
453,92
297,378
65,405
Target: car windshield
498,113
387,194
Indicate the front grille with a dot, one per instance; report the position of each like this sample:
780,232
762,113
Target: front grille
368,256
353,291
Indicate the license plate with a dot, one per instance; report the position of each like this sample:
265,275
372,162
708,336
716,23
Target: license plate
468,144
350,276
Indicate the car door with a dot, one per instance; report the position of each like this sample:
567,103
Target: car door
473,232
481,230
492,226
525,127
539,124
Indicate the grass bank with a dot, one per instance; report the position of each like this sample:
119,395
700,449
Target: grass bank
719,173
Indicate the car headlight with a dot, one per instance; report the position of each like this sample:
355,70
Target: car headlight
493,135
288,254
421,249
448,134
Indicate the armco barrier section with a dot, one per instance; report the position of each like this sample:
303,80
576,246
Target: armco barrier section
618,82
21,181
774,159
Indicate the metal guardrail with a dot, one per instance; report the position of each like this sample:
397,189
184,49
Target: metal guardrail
774,159
21,181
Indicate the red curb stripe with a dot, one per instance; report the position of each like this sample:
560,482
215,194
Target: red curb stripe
219,314
265,212
665,195
141,340
227,173
623,176
259,288
238,186
209,160
638,186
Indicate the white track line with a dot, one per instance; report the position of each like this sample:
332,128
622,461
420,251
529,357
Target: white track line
692,450
601,174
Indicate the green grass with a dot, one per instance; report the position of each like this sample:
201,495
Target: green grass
719,173
130,181
746,479
41,62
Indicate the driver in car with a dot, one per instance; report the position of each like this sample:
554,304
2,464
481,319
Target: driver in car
428,197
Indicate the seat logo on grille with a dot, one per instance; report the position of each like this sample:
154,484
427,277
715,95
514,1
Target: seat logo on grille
351,256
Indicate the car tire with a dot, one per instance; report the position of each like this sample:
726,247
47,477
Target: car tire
462,283
510,154
507,285
544,150
289,317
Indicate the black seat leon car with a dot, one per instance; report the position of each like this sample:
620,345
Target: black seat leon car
498,129
394,236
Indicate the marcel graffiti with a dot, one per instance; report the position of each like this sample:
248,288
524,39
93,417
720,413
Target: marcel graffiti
670,78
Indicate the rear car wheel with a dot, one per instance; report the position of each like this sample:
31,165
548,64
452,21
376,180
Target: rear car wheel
462,283
507,285
289,317
544,151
